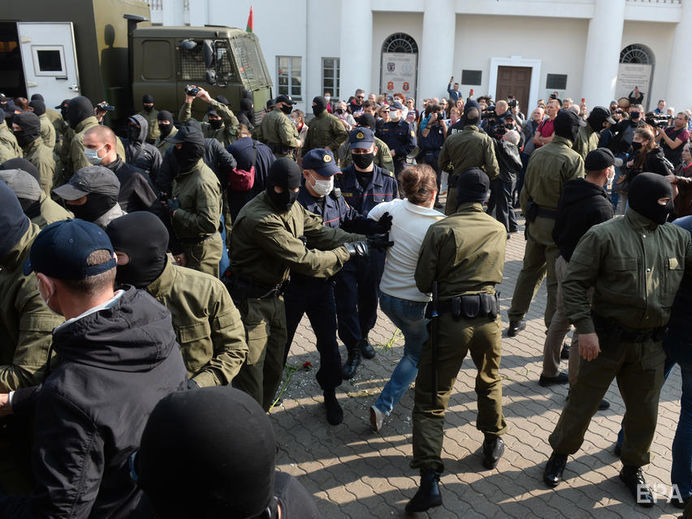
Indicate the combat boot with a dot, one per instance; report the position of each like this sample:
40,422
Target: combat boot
634,480
428,494
335,415
354,359
366,349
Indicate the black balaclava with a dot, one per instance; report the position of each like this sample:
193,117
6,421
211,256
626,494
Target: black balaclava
566,125
221,436
472,186
247,107
193,147
286,108
31,128
13,221
38,106
136,133
597,117
165,129
144,238
24,165
63,109
78,109
319,106
216,124
284,173
37,97
97,205
645,190
146,99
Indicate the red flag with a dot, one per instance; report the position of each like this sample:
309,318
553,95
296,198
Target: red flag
249,21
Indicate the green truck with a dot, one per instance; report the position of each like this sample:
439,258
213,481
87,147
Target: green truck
107,50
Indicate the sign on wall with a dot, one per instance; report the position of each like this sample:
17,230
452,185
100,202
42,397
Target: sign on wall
398,73
631,75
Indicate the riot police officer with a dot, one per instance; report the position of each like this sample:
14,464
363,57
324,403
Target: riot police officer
398,135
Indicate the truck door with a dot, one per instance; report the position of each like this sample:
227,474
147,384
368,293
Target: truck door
49,60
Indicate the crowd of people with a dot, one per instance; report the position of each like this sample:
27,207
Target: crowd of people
153,284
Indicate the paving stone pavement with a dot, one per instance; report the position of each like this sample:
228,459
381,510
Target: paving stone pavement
356,473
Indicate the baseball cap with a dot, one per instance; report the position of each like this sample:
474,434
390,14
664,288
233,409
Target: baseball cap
396,105
321,161
599,159
603,113
89,179
361,138
61,250
285,99
191,131
22,183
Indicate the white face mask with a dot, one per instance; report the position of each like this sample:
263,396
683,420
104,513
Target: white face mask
327,98
93,155
322,187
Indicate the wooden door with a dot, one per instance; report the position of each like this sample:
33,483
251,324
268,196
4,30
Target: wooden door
514,81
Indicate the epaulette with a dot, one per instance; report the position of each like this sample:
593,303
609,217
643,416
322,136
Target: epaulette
388,173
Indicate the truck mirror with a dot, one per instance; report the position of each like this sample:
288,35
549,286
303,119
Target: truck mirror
210,76
208,53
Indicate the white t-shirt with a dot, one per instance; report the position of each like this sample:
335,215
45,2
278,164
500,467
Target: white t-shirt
410,222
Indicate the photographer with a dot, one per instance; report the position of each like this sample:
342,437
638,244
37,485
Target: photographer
674,137
433,136
222,125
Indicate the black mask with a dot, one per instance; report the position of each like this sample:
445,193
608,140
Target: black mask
96,206
284,173
23,138
287,109
363,161
188,155
148,108
282,201
216,123
317,110
165,129
634,116
636,146
339,111
644,192
133,134
31,128
31,208
319,105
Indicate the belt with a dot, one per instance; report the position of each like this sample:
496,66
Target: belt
194,241
468,306
546,213
242,287
608,328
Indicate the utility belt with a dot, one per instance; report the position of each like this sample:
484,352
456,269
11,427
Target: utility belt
612,331
281,149
533,210
468,306
243,287
188,242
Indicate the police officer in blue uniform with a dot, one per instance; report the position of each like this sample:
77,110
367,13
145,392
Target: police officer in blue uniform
313,296
363,185
399,136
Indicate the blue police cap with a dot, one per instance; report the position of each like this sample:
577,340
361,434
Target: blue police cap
322,161
361,138
396,105
61,250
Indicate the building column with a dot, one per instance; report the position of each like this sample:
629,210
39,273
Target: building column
436,57
355,47
602,56
679,71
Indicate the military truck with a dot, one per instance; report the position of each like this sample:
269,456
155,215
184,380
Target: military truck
107,50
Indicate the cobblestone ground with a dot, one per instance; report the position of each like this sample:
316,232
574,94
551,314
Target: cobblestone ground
356,473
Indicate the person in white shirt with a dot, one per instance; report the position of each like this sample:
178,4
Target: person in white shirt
400,300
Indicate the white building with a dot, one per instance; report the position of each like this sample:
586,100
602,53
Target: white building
592,49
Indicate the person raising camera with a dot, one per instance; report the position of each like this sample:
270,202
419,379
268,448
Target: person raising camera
673,138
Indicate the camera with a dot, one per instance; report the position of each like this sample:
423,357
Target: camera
191,90
499,130
488,113
512,103
657,120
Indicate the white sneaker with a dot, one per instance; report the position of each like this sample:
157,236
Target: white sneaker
376,419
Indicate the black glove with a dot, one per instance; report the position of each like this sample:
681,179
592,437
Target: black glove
379,241
357,248
173,205
384,223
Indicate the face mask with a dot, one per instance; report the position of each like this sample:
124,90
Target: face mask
322,187
93,155
165,129
287,109
634,116
148,108
340,111
327,98
636,146
188,155
22,138
216,123
282,201
133,134
96,205
363,161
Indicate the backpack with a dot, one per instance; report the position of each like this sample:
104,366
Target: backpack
241,179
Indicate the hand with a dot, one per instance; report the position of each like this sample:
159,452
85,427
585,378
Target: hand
180,259
672,179
357,248
5,407
588,346
173,205
392,152
204,95
379,241
451,78
384,223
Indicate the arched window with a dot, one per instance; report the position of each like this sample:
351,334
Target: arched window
637,54
400,42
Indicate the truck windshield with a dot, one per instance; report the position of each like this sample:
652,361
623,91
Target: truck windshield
249,62
191,62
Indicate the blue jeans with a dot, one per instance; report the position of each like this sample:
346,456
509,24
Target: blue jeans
409,317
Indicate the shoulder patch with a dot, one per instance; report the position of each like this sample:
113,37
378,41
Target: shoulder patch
413,134
388,173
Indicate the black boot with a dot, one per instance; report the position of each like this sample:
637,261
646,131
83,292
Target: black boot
366,348
335,415
634,480
428,494
493,449
352,363
552,475
515,327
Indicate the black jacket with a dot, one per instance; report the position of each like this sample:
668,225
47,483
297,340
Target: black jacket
113,367
581,206
136,192
508,158
654,162
140,154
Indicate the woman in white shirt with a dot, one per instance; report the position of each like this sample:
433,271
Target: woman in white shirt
400,300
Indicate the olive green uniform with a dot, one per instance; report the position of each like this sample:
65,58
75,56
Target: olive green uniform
586,141
196,223
9,148
76,158
470,148
47,131
153,131
325,131
635,267
383,157
162,144
229,129
550,166
50,212
265,245
279,133
41,156
26,326
465,254
206,323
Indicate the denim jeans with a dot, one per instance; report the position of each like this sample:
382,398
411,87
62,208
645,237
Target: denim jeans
409,317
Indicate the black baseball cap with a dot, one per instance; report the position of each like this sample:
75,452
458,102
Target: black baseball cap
61,250
600,159
191,131
284,99
89,179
